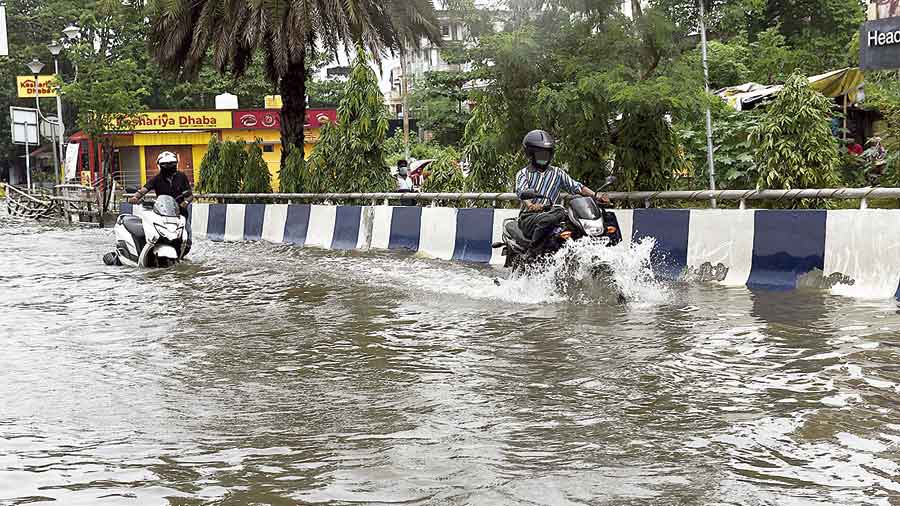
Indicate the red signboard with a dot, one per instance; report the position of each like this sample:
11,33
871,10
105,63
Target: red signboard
267,119
257,120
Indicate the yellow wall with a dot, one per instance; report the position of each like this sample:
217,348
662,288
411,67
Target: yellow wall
172,139
198,142
143,156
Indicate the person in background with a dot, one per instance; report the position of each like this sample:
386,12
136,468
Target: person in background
404,182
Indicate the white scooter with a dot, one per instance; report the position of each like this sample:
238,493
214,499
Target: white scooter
154,239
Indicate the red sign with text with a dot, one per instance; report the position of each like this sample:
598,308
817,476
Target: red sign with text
267,119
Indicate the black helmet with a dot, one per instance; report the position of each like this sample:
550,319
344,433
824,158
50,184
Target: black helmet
539,147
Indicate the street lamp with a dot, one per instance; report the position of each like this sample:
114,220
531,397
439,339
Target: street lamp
35,66
72,32
55,48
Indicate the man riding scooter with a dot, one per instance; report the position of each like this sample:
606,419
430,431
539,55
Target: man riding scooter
537,218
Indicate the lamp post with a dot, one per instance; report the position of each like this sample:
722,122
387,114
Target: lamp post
709,130
35,66
55,48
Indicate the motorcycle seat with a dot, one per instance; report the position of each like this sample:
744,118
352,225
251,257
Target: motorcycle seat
134,225
512,229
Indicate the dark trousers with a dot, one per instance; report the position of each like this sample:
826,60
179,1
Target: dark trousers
538,226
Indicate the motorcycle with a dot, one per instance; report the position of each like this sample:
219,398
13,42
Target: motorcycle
585,218
157,238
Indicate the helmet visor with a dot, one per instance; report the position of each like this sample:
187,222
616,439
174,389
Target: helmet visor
168,167
542,157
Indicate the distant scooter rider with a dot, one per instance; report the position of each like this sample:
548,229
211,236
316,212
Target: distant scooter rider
537,221
170,181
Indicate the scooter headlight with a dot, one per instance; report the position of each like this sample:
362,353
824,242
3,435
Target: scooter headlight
169,231
593,228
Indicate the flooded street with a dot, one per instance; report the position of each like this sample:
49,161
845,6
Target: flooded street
266,374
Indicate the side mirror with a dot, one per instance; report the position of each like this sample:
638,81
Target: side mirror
130,189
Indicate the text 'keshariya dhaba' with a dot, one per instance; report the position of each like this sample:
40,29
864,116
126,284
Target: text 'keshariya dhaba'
187,134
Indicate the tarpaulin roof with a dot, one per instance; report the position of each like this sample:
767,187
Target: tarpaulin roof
837,83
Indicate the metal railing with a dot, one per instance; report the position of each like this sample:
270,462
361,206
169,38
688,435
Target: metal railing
740,196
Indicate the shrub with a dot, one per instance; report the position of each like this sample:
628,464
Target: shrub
257,178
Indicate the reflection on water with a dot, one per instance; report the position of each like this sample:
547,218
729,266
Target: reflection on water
261,374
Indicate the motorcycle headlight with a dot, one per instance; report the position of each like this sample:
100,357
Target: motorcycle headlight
593,228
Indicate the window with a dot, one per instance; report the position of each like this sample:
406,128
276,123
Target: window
445,31
268,148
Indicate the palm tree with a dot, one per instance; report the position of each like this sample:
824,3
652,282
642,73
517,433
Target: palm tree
183,32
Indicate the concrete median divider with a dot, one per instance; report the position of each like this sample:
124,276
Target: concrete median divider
853,252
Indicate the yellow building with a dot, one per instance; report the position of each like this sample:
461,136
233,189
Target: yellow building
187,133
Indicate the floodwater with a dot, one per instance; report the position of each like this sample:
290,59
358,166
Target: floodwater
261,374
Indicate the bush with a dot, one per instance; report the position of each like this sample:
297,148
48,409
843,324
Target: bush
794,147
257,178
291,175
444,174
230,166
209,166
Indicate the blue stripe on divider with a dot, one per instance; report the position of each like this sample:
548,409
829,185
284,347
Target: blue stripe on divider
406,225
786,245
254,214
215,226
474,233
346,227
296,224
125,208
897,295
670,228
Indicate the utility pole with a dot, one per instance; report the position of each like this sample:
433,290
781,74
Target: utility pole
709,130
404,90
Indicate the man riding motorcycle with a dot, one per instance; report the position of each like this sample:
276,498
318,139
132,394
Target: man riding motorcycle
170,181
537,218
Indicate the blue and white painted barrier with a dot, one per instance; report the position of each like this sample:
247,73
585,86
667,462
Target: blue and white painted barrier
762,249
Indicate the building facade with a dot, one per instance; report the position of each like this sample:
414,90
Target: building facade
187,134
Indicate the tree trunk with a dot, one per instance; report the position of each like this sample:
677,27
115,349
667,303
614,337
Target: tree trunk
636,10
293,111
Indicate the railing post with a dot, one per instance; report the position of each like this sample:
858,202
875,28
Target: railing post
863,203
743,204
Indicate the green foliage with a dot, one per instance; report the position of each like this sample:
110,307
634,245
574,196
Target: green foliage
326,93
395,150
439,105
349,156
794,147
321,171
491,165
445,174
209,166
733,155
291,176
256,176
230,168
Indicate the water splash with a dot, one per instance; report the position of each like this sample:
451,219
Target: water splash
587,272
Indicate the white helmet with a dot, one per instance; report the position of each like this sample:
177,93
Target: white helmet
166,157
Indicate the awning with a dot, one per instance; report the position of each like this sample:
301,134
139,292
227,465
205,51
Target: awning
834,84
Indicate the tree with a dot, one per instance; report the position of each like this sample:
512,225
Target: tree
350,155
794,144
440,105
183,31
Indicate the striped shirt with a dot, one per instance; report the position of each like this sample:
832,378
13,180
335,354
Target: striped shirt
547,183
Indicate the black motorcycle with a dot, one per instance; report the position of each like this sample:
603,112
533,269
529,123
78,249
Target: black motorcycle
585,218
